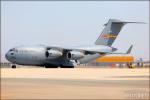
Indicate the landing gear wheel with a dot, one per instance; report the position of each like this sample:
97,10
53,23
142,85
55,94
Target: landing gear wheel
66,66
51,66
13,66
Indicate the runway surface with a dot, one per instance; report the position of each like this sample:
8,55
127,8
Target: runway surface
77,83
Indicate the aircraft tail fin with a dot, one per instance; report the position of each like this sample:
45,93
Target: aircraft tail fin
110,32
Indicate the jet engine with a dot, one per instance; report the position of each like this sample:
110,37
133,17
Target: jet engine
51,54
75,55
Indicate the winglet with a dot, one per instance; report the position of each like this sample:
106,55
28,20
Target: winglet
129,50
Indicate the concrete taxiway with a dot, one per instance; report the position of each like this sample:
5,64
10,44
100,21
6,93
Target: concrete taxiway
77,83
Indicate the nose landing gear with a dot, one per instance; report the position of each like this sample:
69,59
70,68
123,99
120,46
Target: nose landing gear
13,66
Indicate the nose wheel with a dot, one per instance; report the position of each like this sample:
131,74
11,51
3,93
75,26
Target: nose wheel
13,66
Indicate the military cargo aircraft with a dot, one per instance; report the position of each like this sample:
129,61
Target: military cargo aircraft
68,57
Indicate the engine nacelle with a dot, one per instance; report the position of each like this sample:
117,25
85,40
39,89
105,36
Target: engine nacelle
52,54
75,55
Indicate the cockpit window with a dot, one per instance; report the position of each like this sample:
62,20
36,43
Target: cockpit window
12,53
11,50
15,50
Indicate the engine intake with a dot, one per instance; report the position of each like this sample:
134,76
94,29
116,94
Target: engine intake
75,55
51,54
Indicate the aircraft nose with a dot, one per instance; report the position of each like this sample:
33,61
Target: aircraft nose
6,55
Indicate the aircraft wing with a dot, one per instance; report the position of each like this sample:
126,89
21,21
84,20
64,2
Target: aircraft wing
90,50
85,50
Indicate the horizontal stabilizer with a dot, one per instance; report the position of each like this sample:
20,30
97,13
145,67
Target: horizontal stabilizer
129,50
131,22
121,22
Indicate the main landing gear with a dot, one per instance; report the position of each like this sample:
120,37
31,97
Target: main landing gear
66,66
59,66
51,66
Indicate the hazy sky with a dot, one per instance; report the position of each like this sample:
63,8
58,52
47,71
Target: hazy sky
73,23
